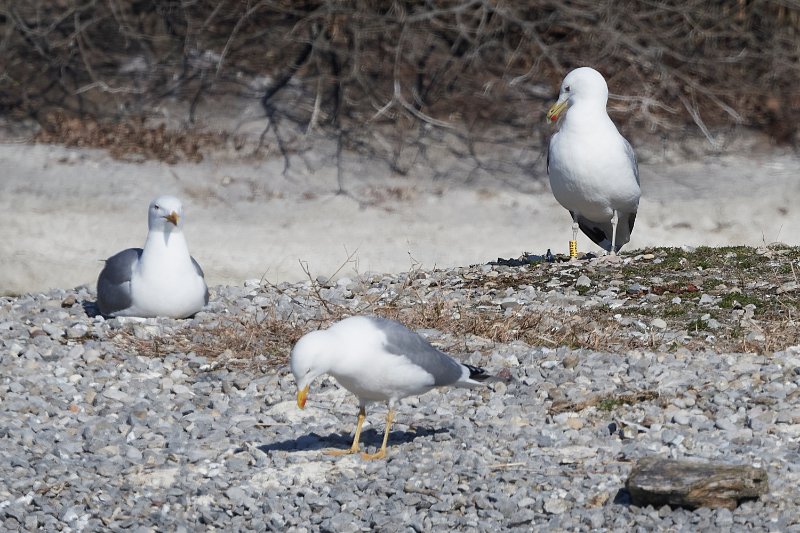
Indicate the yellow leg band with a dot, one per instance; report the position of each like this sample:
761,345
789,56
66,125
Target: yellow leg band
573,248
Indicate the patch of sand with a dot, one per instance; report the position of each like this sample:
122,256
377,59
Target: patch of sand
62,211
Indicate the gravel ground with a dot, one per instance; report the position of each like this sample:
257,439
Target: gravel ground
192,425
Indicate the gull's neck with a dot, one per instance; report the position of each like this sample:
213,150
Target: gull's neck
325,359
164,247
592,112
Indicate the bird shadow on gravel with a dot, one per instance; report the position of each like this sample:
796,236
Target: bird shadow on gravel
369,437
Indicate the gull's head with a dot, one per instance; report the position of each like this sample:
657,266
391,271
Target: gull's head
309,361
584,85
165,213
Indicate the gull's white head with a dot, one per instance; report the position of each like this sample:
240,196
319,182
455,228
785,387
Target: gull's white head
165,214
309,360
583,84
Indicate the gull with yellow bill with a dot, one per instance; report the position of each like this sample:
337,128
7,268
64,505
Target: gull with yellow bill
592,168
161,279
378,360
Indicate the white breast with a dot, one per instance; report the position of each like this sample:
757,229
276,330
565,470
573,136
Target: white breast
591,173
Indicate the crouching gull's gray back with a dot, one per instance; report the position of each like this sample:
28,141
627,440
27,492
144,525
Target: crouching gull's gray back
592,168
378,360
161,279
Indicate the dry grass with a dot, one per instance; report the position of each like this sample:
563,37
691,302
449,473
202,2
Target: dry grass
604,402
462,321
131,140
737,277
233,341
393,78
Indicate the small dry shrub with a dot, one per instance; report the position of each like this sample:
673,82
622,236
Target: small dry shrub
386,76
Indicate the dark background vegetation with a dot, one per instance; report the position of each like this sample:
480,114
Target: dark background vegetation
385,76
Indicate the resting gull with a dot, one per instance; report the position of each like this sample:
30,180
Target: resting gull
592,168
161,279
378,360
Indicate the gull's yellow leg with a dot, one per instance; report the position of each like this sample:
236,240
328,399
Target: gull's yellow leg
573,244
362,415
380,454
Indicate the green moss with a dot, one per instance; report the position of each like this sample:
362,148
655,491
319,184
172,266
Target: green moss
704,257
670,259
609,404
675,310
636,311
727,301
696,325
737,332
710,283
748,262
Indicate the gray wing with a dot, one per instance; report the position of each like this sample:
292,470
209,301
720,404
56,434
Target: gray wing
114,283
631,216
622,235
632,157
200,273
402,341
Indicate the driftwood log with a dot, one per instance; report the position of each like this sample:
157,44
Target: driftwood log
655,481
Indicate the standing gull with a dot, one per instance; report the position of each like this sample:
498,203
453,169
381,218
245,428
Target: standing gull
592,168
161,279
378,360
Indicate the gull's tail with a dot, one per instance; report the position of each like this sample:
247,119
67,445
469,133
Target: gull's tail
477,374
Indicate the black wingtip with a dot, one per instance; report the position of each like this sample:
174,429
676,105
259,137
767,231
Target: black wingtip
477,373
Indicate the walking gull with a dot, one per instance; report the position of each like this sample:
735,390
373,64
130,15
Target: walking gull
592,168
378,360
161,279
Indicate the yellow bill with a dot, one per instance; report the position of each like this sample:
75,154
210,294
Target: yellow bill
302,395
173,217
555,111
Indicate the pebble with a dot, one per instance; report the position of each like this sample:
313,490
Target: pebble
555,506
93,407
659,323
681,418
116,394
76,331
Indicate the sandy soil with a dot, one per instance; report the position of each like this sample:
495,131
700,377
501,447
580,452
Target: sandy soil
63,210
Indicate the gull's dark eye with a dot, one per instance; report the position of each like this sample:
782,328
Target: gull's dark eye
156,207
566,89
